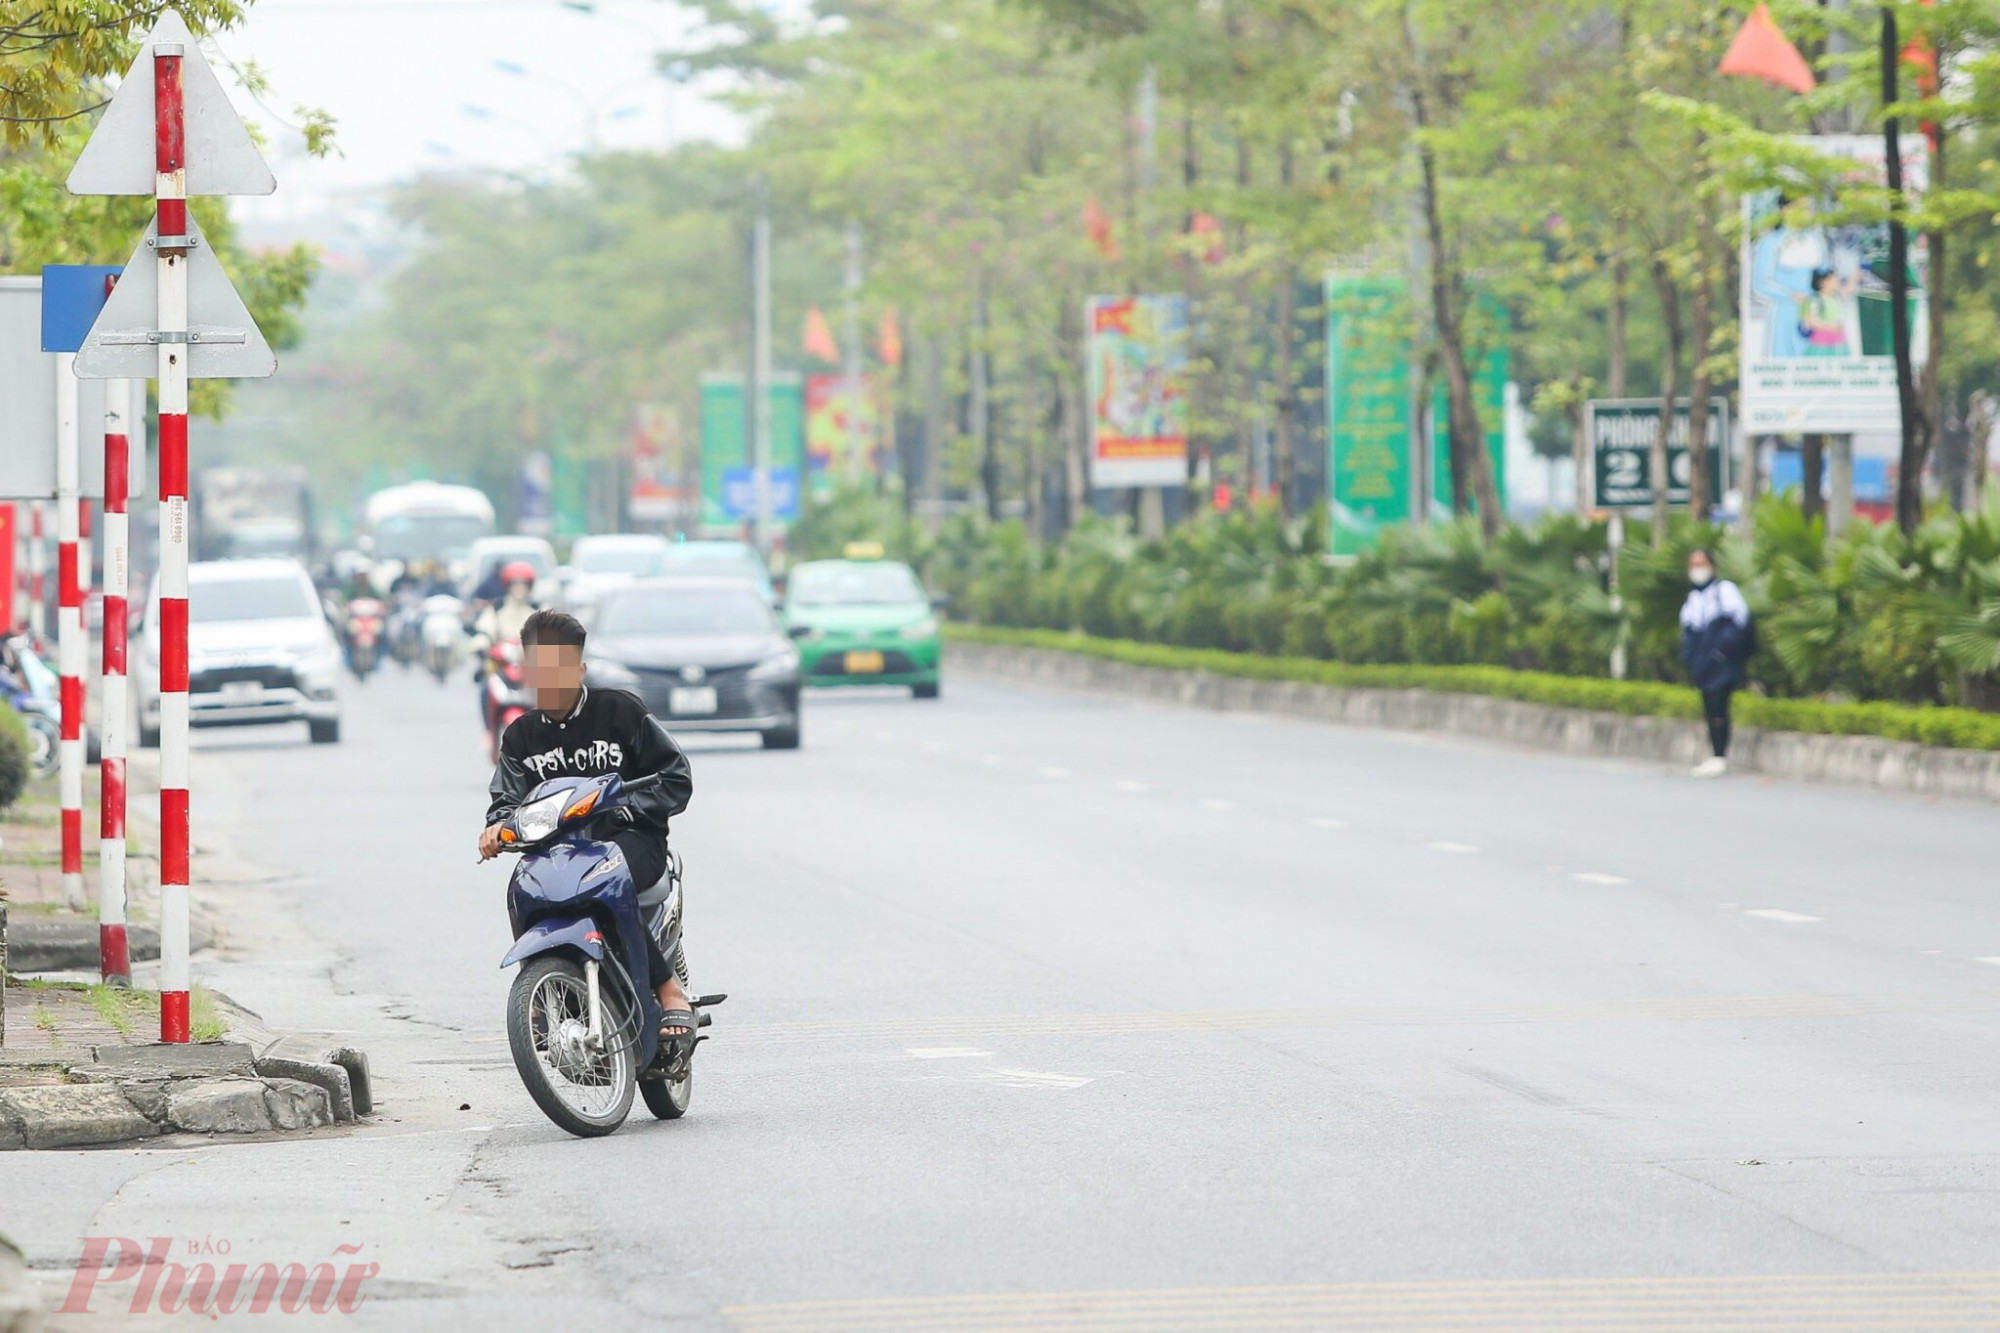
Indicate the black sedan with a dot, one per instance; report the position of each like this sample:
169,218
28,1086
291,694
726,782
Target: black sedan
705,655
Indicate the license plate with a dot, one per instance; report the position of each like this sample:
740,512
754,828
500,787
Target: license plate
864,664
691,700
242,692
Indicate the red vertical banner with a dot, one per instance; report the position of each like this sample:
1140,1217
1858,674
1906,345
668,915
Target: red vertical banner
8,541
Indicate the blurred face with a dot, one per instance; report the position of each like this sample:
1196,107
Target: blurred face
518,590
555,674
1700,571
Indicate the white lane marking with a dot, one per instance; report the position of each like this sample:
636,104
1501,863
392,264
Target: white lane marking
1994,961
1128,785
947,1053
1216,803
1329,823
1452,848
1780,914
1055,772
1598,877
1033,1078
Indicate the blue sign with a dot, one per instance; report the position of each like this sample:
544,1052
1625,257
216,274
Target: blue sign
739,492
72,294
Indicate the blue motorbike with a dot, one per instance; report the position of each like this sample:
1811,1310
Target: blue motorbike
583,1024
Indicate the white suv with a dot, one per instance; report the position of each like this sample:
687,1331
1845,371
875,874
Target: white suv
259,650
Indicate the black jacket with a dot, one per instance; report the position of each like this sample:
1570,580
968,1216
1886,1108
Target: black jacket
609,731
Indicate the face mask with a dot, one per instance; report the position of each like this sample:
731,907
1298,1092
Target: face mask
1700,577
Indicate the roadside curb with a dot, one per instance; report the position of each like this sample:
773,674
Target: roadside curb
1872,761
258,1083
70,944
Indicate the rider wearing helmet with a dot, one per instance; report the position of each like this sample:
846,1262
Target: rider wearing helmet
502,623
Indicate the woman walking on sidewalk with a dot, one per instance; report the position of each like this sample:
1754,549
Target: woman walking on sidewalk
1716,644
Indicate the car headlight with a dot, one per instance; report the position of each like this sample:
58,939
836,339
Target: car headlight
926,628
776,667
613,675
809,634
538,819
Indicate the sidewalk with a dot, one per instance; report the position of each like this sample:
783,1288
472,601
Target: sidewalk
79,1062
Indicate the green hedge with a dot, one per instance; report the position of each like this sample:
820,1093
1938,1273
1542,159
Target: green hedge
1959,728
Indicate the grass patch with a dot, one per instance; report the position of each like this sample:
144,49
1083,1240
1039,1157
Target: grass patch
204,1018
1957,728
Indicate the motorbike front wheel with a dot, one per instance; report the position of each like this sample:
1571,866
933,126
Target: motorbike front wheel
43,744
668,1100
586,1091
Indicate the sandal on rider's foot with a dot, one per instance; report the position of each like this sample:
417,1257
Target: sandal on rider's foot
679,1018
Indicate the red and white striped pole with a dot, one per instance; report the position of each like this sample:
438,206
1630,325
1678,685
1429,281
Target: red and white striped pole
69,624
170,195
38,563
114,958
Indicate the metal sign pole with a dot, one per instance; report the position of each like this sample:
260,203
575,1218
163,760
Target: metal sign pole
69,625
114,957
170,195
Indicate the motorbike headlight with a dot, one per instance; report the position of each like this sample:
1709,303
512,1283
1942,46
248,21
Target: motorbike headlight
926,628
776,667
538,819
612,675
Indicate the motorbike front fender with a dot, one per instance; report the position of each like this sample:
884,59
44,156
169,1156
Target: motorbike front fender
553,933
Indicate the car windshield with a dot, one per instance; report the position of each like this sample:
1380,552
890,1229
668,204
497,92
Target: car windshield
693,611
849,585
720,561
620,559
213,600
427,536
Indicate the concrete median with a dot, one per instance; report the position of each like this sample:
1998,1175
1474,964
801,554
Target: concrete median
1859,760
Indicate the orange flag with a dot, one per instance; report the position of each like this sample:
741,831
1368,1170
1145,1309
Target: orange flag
819,337
889,346
1762,51
1099,228
1206,226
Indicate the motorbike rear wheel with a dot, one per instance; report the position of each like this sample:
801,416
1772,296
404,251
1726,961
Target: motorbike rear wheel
586,1093
668,1099
43,747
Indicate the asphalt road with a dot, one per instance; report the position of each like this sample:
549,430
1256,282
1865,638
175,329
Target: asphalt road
1049,1011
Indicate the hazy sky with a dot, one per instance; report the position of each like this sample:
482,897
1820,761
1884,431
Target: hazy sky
419,85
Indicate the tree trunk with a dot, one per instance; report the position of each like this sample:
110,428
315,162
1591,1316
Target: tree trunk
1812,464
933,470
1916,432
1670,389
1700,390
1472,483
1579,444
1074,410
1287,397
1620,296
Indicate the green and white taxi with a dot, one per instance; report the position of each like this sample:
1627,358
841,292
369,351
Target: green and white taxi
863,621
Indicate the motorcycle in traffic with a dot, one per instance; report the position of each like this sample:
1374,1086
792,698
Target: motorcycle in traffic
583,1025
405,629
442,633
503,691
363,628
34,692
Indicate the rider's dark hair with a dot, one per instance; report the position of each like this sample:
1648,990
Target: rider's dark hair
552,627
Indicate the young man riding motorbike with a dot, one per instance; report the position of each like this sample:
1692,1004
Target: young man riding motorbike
575,731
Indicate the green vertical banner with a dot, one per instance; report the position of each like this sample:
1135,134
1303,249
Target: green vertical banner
727,487
1368,408
569,489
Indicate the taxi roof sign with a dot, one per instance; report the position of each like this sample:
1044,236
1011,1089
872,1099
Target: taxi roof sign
863,551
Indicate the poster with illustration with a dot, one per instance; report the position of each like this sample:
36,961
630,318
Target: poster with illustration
1818,351
837,421
1138,390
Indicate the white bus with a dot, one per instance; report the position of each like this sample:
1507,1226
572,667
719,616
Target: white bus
425,520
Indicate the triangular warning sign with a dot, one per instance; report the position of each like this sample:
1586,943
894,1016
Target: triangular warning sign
221,158
223,342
